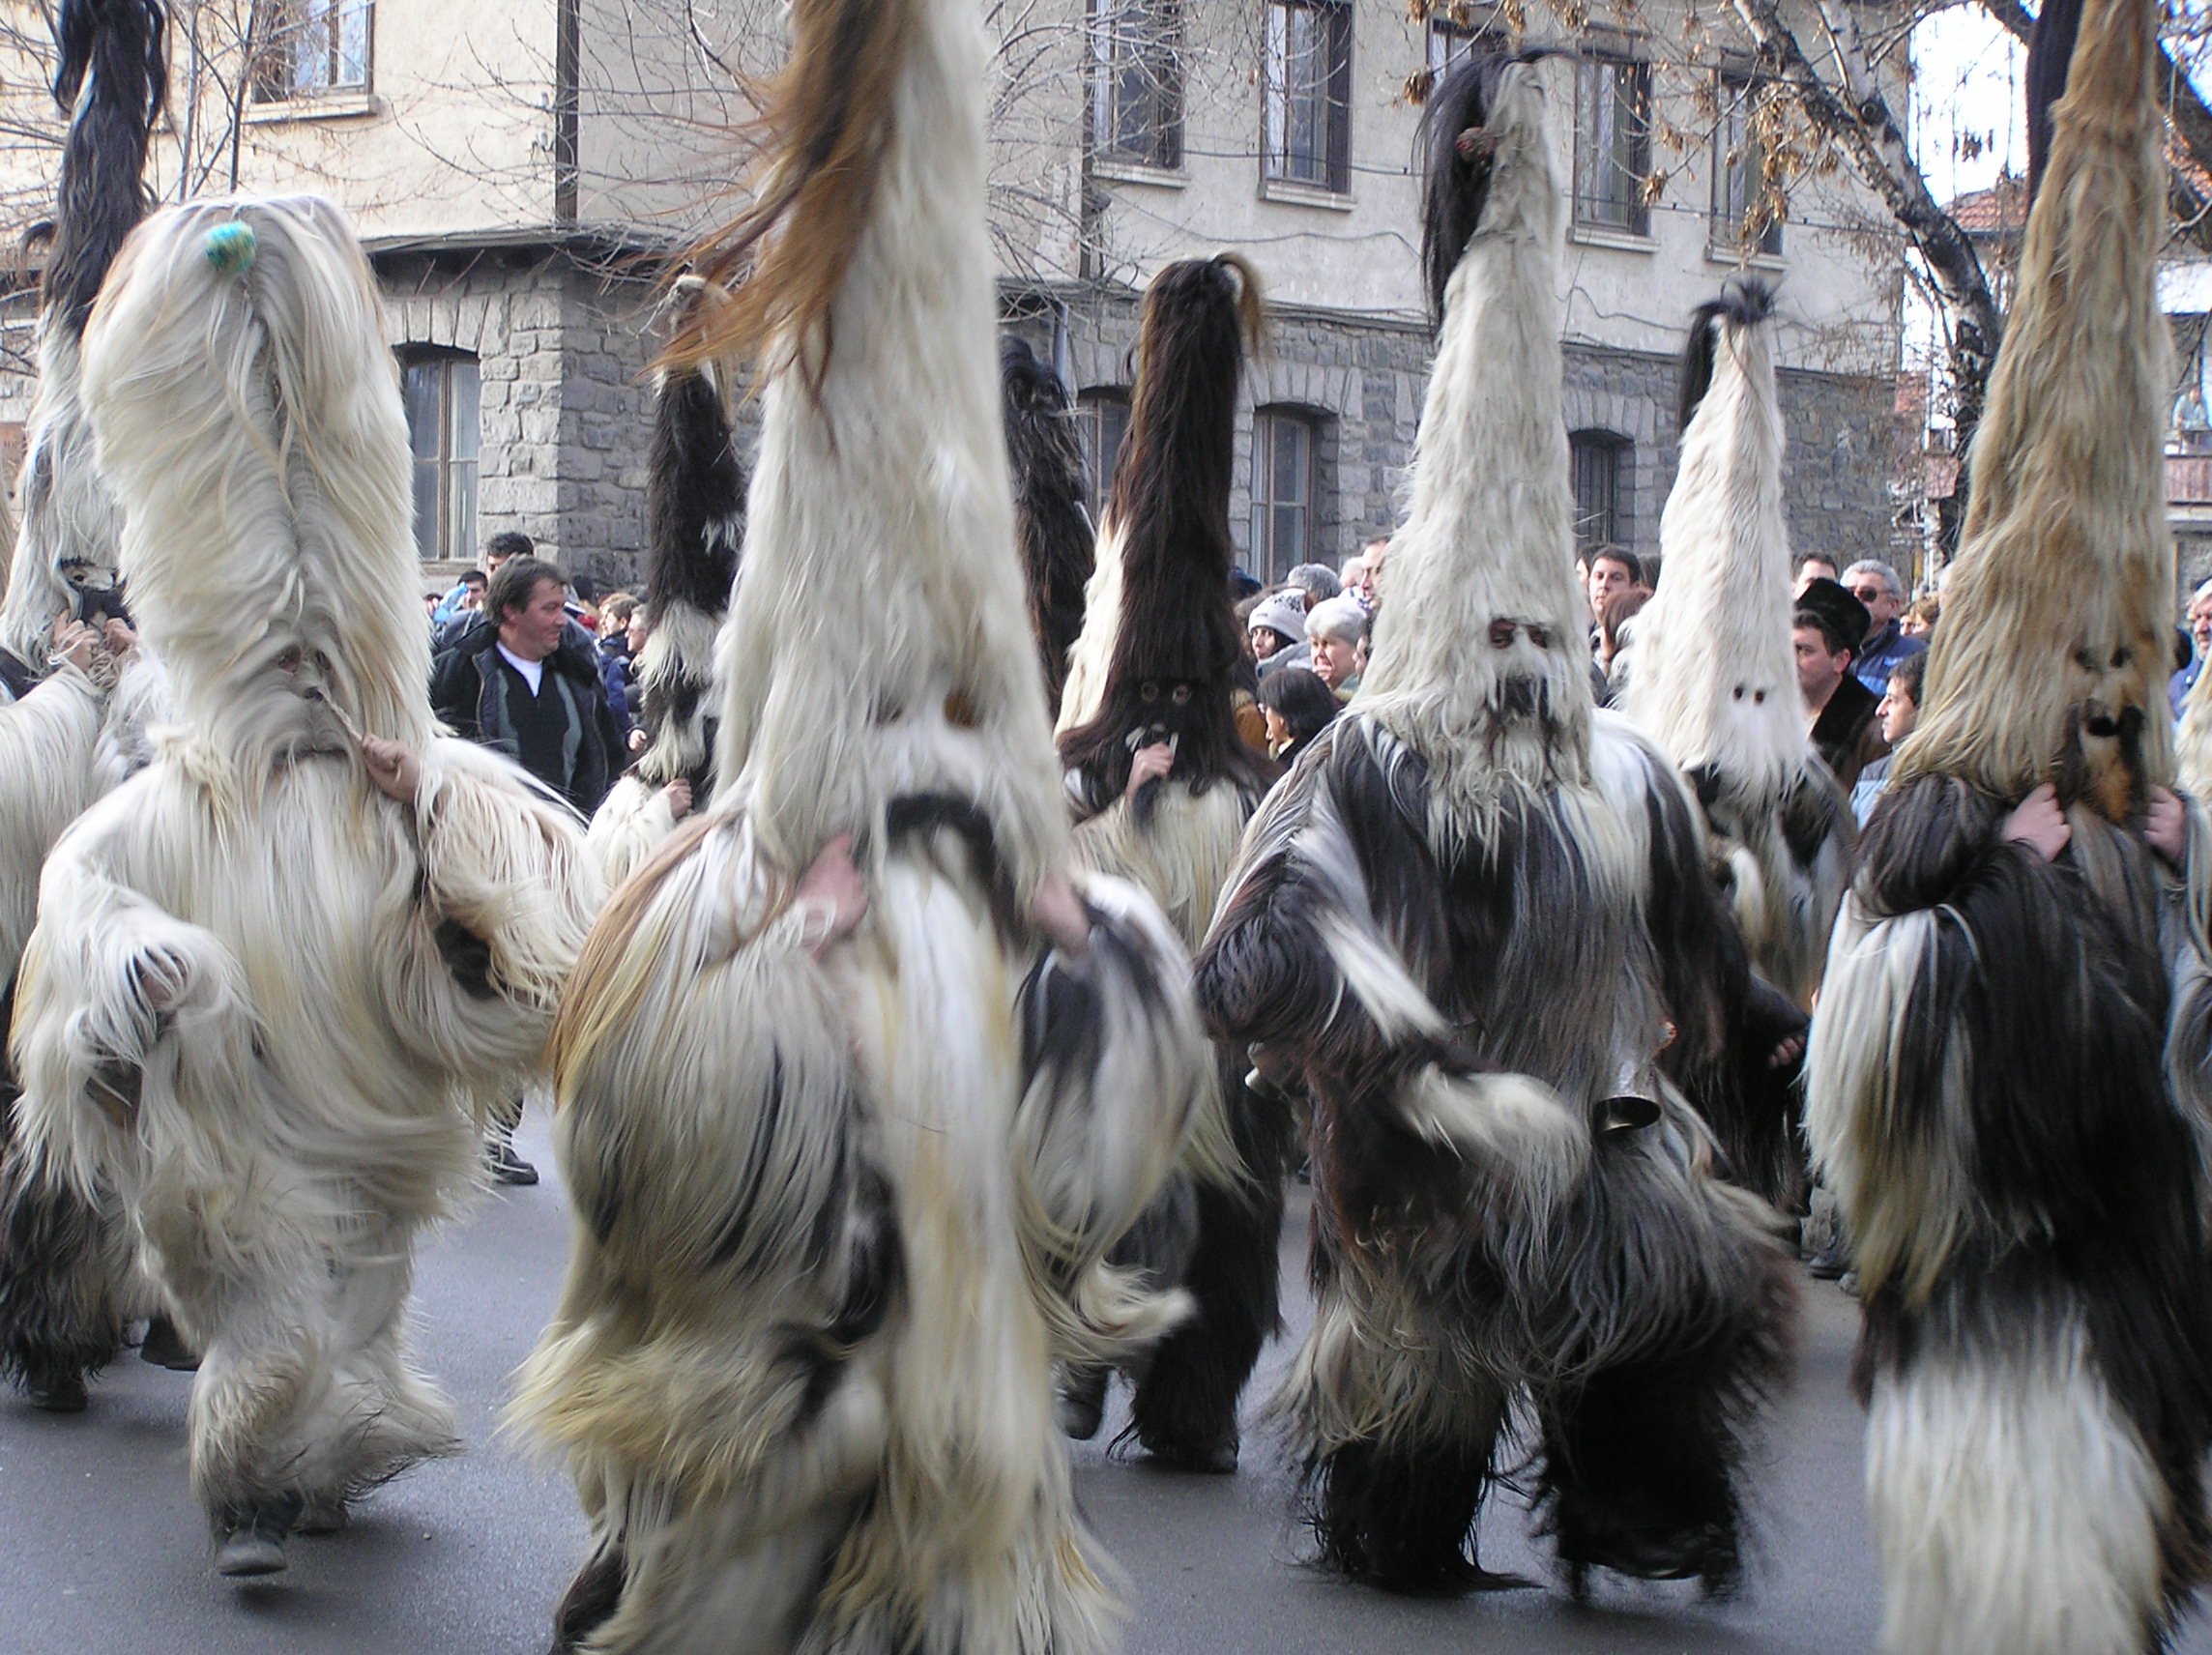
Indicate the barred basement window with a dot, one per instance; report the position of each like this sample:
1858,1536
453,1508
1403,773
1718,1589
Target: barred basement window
440,389
1286,478
1101,422
1307,87
1136,82
1600,461
1612,143
312,45
1746,212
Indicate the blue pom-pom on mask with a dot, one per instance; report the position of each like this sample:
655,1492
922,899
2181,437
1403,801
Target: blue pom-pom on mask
231,248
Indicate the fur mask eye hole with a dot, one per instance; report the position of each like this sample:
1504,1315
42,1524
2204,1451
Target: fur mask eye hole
1181,695
2083,659
1758,698
291,660
1501,634
1736,693
1148,691
2121,656
1540,636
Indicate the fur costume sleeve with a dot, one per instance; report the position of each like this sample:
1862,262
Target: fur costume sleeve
1318,954
635,821
512,892
1117,1069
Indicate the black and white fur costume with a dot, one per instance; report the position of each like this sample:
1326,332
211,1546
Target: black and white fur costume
1160,642
70,736
695,522
1477,918
1052,524
838,1217
2010,1087
265,1001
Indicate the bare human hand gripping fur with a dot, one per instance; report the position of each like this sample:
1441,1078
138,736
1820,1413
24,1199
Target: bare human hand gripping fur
856,1086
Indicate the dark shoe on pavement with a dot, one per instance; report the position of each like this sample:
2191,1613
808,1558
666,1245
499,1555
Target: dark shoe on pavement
1210,1459
255,1544
1829,1262
61,1394
165,1347
506,1167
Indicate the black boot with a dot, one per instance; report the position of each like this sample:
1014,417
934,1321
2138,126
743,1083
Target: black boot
165,1347
255,1545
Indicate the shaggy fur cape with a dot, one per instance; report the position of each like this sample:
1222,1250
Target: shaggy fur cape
2009,1078
1050,520
264,999
1472,916
695,520
837,1218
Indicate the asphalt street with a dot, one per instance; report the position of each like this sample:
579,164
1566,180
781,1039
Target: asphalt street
101,1548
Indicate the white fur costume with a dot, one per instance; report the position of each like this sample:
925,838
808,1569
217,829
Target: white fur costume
1714,678
263,997
837,1219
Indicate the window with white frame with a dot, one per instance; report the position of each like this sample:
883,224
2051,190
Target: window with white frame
1612,143
1600,462
1136,82
312,45
1747,210
439,390
1286,489
1306,83
1101,422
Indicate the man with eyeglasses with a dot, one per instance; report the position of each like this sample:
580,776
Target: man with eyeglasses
1874,584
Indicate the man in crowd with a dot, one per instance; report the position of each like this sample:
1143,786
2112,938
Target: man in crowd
1828,628
1363,574
1874,584
448,620
2201,635
1812,566
524,680
1610,570
1897,712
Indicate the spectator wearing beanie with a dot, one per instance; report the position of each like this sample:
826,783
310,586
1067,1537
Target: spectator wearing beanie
1278,632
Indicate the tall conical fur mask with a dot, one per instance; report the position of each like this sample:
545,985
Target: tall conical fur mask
1481,661
1714,679
249,417
2052,654
1057,538
695,522
112,76
1165,625
877,646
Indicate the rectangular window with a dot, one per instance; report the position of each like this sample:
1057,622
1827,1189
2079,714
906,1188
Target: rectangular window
1600,461
1747,211
1101,422
1457,30
1307,87
1136,82
1284,488
1612,144
441,398
312,45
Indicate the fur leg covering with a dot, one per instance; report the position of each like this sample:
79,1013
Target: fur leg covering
66,1270
1184,1411
1669,1331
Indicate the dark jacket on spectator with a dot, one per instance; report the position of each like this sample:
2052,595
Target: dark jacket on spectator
1848,736
566,735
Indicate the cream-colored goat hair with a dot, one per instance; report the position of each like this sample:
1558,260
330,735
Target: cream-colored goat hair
264,1000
